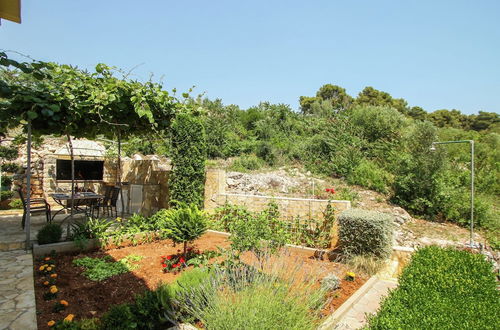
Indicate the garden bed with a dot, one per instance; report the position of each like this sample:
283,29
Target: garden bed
88,298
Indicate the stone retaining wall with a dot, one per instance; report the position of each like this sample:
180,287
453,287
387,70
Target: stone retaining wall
216,196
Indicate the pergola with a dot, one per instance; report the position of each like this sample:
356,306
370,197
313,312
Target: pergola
48,98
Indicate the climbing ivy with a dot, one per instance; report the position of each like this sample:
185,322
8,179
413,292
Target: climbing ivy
188,153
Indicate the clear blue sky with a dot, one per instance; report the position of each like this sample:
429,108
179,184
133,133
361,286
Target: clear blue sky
435,54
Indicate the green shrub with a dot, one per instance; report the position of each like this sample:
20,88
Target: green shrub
189,153
370,175
99,269
187,224
4,195
363,232
161,223
6,181
247,162
10,167
9,153
50,233
330,282
418,183
346,194
174,298
442,289
259,232
82,231
119,317
239,299
223,216
16,203
268,153
147,311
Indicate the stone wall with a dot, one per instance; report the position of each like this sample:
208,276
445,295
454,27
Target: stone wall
215,196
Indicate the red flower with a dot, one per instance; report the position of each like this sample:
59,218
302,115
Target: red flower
169,257
181,260
174,266
164,265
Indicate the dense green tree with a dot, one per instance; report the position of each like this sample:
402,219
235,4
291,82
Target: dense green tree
449,118
306,103
335,97
417,113
372,96
418,181
484,120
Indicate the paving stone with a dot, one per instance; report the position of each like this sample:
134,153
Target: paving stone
25,284
355,317
25,321
17,296
6,318
8,304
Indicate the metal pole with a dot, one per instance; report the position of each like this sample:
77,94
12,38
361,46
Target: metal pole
471,193
28,189
119,172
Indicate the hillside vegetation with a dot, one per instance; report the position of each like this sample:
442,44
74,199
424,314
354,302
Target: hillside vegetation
374,141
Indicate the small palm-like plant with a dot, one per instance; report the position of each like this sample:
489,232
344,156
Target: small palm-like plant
187,224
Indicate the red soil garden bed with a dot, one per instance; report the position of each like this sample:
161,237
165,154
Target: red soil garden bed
88,298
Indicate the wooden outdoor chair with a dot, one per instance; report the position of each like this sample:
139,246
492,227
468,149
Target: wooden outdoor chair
37,205
115,193
102,203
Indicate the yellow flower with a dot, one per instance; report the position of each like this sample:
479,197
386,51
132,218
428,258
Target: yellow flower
53,275
53,289
47,259
69,318
49,269
46,283
51,323
64,303
351,274
45,265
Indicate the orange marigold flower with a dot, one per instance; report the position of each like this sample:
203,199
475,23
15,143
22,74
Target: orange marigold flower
49,269
64,303
41,268
53,275
53,289
69,318
47,259
51,323
46,283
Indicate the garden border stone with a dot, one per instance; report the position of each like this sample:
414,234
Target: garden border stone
70,246
346,306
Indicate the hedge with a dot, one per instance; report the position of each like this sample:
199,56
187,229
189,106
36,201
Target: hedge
367,233
442,289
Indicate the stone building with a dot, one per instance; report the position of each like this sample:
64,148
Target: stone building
144,178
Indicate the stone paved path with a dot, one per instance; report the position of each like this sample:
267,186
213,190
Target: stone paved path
17,293
369,303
